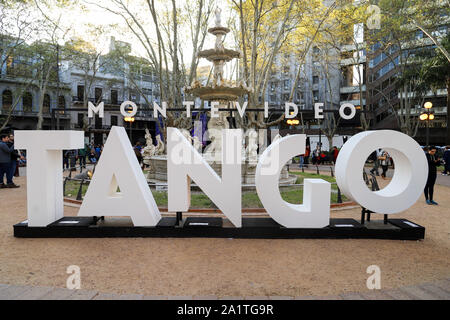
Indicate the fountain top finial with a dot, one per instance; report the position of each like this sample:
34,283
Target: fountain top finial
220,89
218,19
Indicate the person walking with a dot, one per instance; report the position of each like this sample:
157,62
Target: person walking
433,163
384,162
446,159
5,162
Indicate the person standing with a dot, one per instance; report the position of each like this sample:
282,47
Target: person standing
301,161
316,155
307,153
446,159
433,163
376,162
384,162
138,154
82,154
65,159
15,155
5,160
335,154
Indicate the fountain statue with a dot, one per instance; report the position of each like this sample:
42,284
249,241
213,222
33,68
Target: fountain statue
225,93
149,149
252,148
197,144
159,146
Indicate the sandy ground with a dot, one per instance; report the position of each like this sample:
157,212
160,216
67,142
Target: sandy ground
226,267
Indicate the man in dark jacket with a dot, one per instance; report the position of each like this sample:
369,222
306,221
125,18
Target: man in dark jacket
5,160
433,163
15,155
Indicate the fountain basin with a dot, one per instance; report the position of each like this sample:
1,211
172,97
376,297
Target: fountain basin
218,93
159,173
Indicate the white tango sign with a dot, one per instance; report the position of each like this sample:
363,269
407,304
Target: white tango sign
118,166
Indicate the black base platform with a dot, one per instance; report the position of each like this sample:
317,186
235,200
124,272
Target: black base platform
211,227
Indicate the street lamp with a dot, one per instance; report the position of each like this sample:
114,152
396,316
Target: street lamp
292,122
130,120
427,116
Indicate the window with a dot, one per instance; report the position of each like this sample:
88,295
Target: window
113,120
46,104
98,94
114,97
147,91
286,97
61,102
315,79
273,98
134,96
27,102
287,84
316,95
80,93
80,120
7,100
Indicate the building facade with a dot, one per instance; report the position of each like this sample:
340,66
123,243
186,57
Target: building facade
67,96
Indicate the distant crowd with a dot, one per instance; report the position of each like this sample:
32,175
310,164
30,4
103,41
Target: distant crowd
78,158
318,156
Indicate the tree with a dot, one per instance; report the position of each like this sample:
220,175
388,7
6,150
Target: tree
435,73
267,31
398,42
86,58
159,36
17,27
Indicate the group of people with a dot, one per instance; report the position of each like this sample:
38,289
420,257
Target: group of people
381,159
9,160
90,152
318,156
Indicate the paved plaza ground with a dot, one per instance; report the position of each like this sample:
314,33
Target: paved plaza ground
226,267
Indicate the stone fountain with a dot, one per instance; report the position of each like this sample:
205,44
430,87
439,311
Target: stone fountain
225,92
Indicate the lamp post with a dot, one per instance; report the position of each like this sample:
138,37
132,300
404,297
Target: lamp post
292,122
427,116
130,120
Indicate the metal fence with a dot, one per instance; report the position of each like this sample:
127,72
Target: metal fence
85,180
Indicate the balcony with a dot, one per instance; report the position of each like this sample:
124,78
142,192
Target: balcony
355,102
32,114
352,61
352,89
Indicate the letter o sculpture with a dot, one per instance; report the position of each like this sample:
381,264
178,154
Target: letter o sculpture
407,184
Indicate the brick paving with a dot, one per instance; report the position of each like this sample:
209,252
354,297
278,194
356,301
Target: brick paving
427,291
